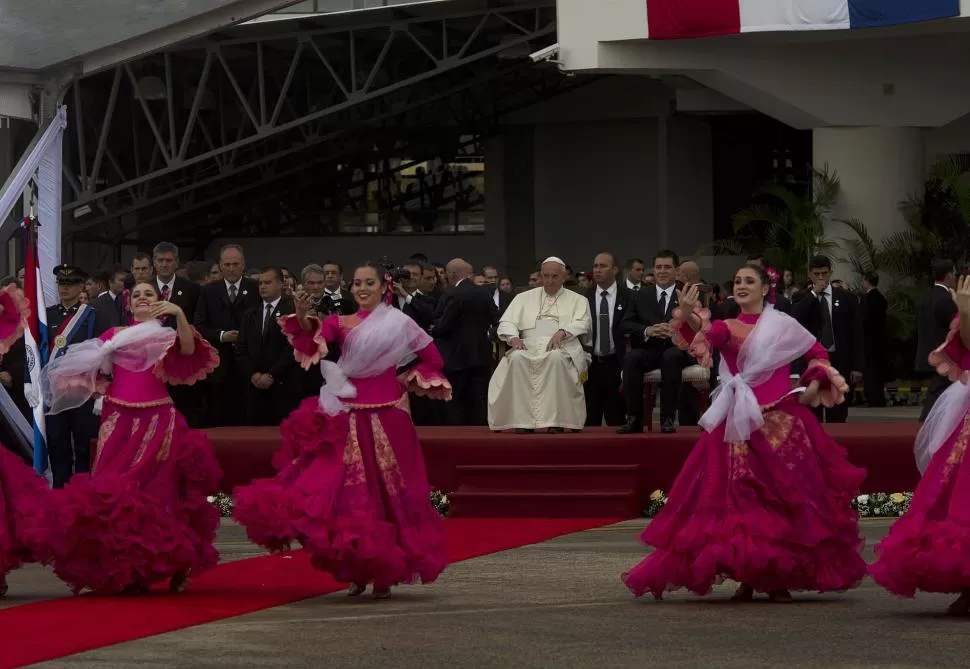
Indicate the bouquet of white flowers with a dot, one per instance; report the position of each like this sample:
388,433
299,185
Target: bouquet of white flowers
882,505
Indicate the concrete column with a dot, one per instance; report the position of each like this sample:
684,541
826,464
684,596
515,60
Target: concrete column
878,168
510,199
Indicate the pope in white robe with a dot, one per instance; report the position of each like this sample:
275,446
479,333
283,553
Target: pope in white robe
539,383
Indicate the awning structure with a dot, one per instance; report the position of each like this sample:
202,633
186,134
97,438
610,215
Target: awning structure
219,118
94,34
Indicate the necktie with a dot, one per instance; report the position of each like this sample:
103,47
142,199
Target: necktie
663,303
827,337
232,292
267,317
636,288
165,293
604,325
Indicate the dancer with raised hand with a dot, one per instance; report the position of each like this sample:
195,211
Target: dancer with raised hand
352,487
24,495
928,548
765,496
141,516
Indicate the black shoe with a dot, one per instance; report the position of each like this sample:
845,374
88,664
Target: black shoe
555,430
668,426
522,430
632,426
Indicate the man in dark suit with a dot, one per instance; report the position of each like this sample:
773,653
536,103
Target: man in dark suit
265,358
218,316
417,298
608,302
874,318
832,314
936,312
418,301
462,321
70,433
110,302
646,322
174,288
189,400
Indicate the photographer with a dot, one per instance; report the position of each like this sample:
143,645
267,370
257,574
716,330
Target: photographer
414,294
339,302
322,284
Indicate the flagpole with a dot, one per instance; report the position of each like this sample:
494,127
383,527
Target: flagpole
35,343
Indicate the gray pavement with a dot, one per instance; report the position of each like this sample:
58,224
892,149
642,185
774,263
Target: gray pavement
557,604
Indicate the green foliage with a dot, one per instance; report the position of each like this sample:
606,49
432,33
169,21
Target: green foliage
938,226
786,227
789,228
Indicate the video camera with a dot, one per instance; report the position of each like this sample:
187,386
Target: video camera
397,273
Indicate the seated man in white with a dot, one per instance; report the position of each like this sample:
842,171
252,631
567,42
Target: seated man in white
539,383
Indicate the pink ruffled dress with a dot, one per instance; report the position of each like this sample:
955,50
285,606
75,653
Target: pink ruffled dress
773,512
24,495
928,549
141,516
352,488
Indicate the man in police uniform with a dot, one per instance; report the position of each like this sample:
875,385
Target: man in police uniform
69,434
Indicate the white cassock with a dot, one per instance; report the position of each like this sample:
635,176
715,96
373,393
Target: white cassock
536,388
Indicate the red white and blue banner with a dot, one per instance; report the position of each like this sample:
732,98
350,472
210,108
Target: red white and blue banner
678,19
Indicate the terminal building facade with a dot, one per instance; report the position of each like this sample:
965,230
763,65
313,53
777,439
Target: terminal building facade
355,129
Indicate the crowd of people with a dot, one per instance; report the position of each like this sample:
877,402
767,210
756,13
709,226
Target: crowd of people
347,369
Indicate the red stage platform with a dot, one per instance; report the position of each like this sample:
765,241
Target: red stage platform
590,474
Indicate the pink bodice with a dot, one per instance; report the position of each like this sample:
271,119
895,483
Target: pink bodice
136,387
728,337
386,387
174,368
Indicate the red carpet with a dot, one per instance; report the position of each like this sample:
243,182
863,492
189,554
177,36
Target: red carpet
88,622
885,450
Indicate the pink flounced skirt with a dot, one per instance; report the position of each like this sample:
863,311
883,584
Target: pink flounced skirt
929,548
773,513
142,516
353,491
25,524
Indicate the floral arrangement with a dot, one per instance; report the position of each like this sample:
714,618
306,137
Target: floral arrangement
223,502
439,501
882,505
657,500
875,505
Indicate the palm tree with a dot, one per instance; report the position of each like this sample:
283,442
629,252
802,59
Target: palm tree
789,229
939,223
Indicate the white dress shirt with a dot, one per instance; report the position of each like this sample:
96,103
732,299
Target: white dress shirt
238,286
668,292
611,300
828,300
272,304
661,293
162,284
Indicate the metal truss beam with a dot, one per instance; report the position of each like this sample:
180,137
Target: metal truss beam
273,161
205,111
480,117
